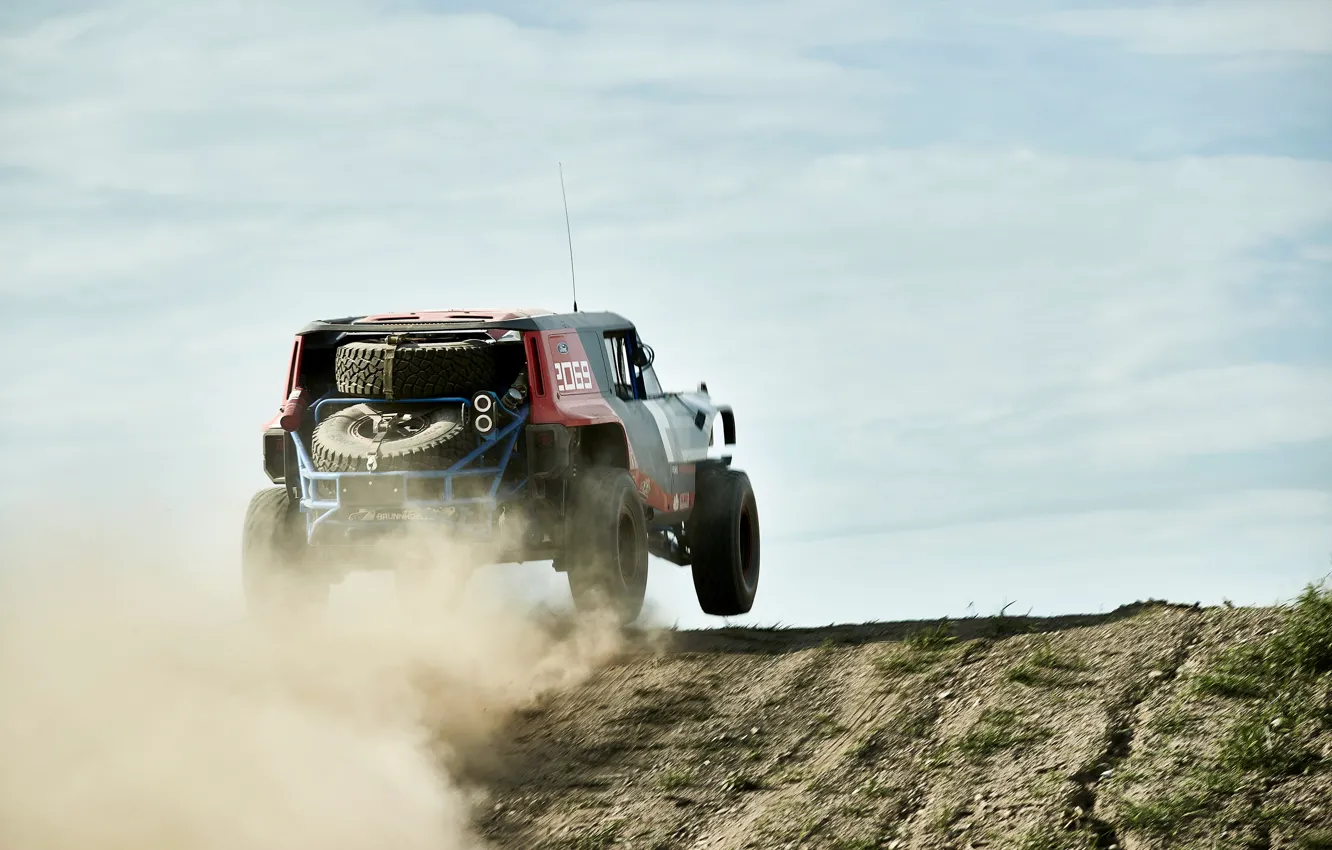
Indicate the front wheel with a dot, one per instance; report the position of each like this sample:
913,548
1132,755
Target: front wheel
723,537
276,568
607,562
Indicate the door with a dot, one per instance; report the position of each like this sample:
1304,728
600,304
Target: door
645,419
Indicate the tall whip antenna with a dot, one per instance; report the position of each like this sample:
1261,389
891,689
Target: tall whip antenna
569,232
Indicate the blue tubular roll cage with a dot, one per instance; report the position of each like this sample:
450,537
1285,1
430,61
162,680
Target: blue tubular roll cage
320,512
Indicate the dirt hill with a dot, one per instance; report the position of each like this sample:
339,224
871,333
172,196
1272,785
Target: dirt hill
1156,725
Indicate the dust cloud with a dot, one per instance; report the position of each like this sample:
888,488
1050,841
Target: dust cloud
140,708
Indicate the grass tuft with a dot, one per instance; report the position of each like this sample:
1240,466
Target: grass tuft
1045,655
598,839
902,661
919,651
1301,649
1036,677
1163,816
1204,791
1048,667
1049,838
1282,681
876,788
933,638
1264,743
1173,720
1241,673
1318,839
1004,624
1305,641
998,729
675,779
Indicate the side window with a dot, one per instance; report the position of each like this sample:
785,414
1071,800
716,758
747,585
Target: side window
651,386
645,380
617,353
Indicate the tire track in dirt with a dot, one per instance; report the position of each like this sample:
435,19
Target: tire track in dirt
1017,733
1123,717
1194,778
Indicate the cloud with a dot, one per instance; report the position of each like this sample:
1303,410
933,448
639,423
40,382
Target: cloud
1220,27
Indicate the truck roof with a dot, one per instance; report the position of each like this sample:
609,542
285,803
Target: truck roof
416,321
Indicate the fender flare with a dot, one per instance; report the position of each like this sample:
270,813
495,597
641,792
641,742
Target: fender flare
728,423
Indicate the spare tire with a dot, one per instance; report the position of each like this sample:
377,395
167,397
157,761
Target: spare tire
413,438
416,369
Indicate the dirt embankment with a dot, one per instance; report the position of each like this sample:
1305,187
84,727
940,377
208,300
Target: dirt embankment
135,713
1153,726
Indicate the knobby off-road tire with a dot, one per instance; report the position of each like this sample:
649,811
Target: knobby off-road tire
420,369
278,573
344,441
724,540
607,555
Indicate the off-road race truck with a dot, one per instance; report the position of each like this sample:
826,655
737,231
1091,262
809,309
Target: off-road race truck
540,435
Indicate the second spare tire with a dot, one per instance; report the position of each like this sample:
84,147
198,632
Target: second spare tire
398,438
409,369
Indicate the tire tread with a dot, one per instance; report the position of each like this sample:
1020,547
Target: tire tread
718,583
598,493
420,370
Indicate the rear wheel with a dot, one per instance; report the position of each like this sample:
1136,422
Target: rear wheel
607,558
276,568
724,541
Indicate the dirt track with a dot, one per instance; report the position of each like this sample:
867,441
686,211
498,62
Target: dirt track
1085,731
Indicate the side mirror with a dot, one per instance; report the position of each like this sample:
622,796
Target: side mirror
643,356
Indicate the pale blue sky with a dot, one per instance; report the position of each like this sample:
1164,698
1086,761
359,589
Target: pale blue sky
1015,300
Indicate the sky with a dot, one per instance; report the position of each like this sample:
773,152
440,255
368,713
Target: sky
1022,305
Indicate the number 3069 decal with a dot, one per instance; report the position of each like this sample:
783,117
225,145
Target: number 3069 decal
572,375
